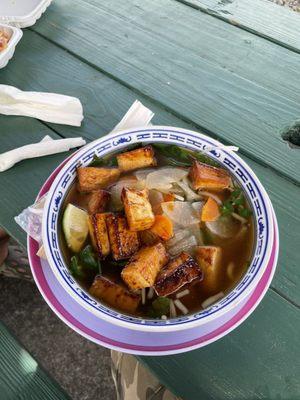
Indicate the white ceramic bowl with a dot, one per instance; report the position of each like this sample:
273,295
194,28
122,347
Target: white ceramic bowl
15,35
257,197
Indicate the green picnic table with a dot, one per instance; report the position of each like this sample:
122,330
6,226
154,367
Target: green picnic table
228,68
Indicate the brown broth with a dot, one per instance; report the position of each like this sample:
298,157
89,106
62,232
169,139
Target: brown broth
238,251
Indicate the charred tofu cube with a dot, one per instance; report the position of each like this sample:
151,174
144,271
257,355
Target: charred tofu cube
114,294
205,176
143,267
209,259
91,178
101,234
124,243
178,272
92,232
139,158
98,201
138,209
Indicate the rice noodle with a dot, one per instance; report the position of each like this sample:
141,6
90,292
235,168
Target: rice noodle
173,313
239,218
181,306
164,317
212,299
213,196
143,296
230,270
182,293
150,293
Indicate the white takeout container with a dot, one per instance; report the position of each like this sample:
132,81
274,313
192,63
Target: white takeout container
22,13
16,14
15,35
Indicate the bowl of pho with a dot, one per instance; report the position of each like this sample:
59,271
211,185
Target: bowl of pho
157,229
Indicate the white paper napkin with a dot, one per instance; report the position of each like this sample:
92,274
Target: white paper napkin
50,107
30,219
45,147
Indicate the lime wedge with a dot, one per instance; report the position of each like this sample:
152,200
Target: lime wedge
75,227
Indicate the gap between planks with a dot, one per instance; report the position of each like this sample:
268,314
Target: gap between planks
267,22
171,111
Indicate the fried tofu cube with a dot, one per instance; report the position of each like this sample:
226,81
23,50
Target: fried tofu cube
124,243
206,177
138,209
209,259
101,234
143,267
91,178
98,201
135,159
178,272
92,232
114,294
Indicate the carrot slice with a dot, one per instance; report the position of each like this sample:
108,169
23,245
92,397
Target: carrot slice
210,211
168,197
162,227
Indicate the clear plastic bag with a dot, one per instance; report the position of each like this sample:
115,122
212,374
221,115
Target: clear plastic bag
30,219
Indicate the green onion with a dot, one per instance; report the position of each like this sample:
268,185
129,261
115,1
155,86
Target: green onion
176,155
159,307
235,203
89,259
76,268
103,161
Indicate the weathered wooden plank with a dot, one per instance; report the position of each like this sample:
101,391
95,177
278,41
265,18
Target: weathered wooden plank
262,17
20,375
20,184
105,101
240,86
261,357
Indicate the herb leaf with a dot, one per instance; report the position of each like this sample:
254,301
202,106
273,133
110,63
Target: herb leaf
89,259
108,161
75,268
177,155
159,307
236,203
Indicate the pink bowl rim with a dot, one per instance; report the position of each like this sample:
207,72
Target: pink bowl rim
71,321
240,292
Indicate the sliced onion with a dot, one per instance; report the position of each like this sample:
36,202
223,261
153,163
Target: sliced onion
195,230
164,177
178,236
212,195
189,193
116,190
224,226
197,206
181,212
142,174
186,245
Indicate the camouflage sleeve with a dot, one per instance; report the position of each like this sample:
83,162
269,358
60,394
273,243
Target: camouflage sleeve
134,382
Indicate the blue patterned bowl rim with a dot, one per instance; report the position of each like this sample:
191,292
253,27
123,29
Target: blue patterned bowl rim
255,192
